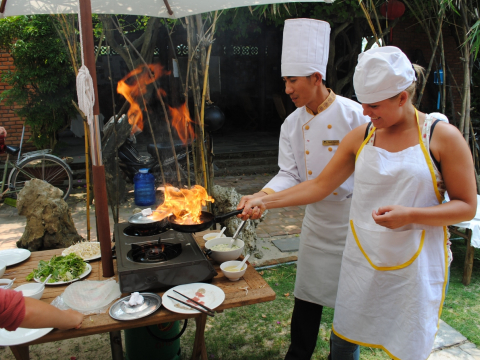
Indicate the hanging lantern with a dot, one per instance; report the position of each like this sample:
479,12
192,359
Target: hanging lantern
392,9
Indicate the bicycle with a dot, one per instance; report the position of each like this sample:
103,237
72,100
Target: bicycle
35,165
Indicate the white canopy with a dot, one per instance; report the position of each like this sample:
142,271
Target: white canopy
157,8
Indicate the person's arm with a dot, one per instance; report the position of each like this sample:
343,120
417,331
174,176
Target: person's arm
337,171
39,314
450,149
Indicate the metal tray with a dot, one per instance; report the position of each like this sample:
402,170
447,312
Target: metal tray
122,311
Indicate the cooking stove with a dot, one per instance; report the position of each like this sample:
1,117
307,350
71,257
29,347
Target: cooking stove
159,260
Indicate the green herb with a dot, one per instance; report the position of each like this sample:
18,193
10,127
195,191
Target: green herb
62,268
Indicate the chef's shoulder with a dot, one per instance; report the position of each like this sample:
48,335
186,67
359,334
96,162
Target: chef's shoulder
293,119
352,111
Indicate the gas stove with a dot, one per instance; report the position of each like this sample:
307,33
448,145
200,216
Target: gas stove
159,260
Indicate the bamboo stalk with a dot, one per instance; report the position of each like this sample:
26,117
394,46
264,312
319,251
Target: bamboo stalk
369,20
87,170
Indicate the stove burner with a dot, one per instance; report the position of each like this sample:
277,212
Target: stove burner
154,252
132,230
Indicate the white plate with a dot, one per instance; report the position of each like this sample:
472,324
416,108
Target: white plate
213,297
21,336
87,271
14,256
89,259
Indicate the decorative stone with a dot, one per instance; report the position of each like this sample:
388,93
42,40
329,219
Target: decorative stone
226,200
49,220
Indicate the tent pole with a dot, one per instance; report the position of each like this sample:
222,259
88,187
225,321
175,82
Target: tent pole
98,170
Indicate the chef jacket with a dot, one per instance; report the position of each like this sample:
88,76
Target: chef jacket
309,141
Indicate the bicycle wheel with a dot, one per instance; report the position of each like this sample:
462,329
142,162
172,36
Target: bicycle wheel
45,167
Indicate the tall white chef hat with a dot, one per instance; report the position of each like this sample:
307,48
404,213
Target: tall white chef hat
382,73
305,47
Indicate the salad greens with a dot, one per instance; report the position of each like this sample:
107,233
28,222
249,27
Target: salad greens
62,268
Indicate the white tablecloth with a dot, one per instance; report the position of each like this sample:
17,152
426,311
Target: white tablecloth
473,224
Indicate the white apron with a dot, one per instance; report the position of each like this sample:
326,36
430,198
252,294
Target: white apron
392,282
322,241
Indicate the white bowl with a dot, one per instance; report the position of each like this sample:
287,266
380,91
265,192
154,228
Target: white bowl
211,236
233,275
6,283
31,290
3,266
222,256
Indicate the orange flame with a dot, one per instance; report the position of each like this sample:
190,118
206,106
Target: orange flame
134,86
185,204
182,122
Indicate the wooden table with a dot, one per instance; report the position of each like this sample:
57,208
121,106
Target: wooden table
469,254
235,296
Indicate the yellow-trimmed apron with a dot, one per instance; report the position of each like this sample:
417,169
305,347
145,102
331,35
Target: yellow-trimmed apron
392,282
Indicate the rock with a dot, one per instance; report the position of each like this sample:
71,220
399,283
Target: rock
226,200
49,220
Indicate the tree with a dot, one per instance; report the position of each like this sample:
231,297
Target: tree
42,82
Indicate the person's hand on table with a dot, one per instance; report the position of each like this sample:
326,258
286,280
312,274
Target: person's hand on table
39,314
252,205
73,320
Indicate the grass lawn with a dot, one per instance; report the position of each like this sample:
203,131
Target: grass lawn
262,331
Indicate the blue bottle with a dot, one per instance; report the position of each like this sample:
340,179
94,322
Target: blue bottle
144,188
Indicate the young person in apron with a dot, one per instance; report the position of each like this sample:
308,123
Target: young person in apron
394,266
309,139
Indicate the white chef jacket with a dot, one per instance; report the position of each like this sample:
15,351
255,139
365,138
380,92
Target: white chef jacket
302,155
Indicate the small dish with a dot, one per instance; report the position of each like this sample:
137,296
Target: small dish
211,236
3,266
34,291
233,275
6,283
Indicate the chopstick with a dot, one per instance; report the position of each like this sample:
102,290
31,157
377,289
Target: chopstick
193,307
203,306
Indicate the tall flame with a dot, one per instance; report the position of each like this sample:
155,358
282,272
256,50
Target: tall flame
182,122
185,204
134,86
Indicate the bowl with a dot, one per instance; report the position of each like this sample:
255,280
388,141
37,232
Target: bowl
211,236
6,283
222,256
31,290
233,275
3,266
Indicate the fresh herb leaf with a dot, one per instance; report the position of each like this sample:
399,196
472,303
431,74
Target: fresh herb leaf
62,268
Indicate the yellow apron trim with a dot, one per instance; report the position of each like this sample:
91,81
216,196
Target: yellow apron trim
372,130
388,268
365,344
429,161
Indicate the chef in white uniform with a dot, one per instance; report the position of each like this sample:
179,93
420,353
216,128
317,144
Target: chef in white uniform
308,140
393,272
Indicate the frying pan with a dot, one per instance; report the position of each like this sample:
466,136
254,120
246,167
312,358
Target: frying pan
207,220
148,223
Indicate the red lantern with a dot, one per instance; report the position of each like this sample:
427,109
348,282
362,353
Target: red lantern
392,9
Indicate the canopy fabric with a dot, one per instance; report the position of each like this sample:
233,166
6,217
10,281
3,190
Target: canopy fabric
156,8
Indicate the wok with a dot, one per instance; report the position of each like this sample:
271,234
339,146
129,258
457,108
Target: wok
207,220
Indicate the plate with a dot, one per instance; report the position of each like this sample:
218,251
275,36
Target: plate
87,271
14,256
88,259
21,336
122,311
213,296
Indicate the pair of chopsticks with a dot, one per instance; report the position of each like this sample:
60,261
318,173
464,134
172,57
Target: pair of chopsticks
207,310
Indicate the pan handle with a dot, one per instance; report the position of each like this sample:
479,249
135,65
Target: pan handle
222,217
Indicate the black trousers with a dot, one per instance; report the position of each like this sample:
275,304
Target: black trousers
304,330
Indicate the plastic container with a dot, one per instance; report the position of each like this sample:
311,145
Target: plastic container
144,185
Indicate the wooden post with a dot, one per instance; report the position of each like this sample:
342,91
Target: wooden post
98,171
468,266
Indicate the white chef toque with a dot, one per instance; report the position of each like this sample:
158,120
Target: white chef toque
305,47
382,73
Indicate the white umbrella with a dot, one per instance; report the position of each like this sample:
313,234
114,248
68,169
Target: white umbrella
155,8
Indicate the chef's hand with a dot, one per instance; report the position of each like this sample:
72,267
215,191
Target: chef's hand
392,216
255,213
253,209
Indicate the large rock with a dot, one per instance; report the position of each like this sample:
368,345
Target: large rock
226,200
49,220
